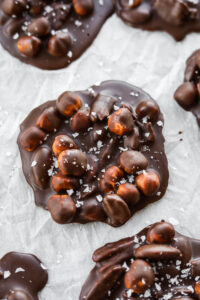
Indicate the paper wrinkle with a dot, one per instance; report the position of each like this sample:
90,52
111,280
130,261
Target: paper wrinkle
150,60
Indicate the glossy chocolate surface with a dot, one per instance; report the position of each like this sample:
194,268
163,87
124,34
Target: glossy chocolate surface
188,94
175,278
22,276
81,29
102,149
176,17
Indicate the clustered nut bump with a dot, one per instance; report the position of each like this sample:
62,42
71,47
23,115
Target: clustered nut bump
83,159
156,263
48,26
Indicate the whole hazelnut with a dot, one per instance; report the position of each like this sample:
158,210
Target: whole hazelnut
197,289
149,109
13,7
140,276
121,122
133,161
161,233
68,103
39,27
186,95
19,295
62,208
49,120
31,138
148,182
29,45
81,120
72,162
129,193
60,182
62,142
111,176
83,7
59,44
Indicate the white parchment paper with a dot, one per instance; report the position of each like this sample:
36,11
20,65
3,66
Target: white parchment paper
152,61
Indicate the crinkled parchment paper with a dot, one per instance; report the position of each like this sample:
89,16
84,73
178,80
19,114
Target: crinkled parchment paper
152,61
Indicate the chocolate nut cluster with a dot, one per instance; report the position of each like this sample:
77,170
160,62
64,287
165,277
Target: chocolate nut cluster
22,276
50,34
177,17
95,155
157,263
188,93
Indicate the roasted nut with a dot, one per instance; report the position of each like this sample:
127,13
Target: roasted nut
133,140
197,289
138,15
83,7
62,142
101,107
13,7
161,233
31,138
62,208
39,27
68,103
59,44
29,45
111,176
49,120
121,122
12,27
195,267
148,133
72,162
157,252
116,209
60,182
148,182
184,245
140,276
149,109
186,95
41,163
129,4
18,295
81,120
36,7
133,161
129,193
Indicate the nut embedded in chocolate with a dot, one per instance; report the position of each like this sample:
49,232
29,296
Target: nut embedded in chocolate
29,45
121,122
148,182
132,140
19,295
129,4
31,138
157,252
59,44
39,27
62,208
49,120
197,289
60,183
129,193
133,161
13,7
140,276
101,107
116,209
161,233
68,103
137,15
81,120
83,7
62,142
111,176
186,95
72,162
149,109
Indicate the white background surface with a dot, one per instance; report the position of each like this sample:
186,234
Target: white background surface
152,61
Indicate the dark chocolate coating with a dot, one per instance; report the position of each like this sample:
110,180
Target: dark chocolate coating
174,279
188,94
86,197
22,276
83,31
152,21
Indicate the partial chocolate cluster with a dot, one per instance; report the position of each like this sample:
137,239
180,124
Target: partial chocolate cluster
157,263
188,93
177,17
22,276
50,34
95,155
